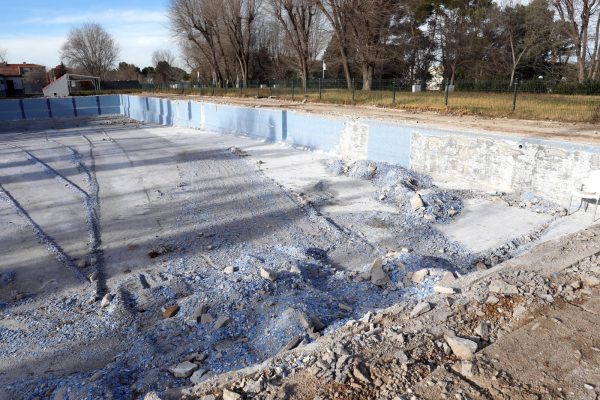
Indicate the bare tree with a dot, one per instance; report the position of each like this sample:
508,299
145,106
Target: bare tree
199,22
239,18
165,55
582,24
90,48
527,29
301,22
3,55
337,13
371,29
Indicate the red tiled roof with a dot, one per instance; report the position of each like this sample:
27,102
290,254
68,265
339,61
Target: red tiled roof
10,70
15,69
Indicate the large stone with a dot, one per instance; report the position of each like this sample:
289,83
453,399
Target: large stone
200,310
416,202
501,287
361,373
419,309
229,395
378,276
198,376
221,322
229,270
447,278
590,281
268,274
443,289
419,276
293,343
462,348
183,370
312,322
106,300
206,319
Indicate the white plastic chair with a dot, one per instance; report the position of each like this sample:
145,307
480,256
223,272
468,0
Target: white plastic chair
587,189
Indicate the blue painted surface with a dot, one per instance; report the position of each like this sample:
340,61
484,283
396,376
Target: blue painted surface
110,104
59,107
62,108
389,143
256,122
36,108
10,110
86,106
313,131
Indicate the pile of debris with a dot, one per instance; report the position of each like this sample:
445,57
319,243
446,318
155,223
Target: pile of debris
407,189
407,350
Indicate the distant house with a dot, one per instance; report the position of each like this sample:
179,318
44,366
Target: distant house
21,79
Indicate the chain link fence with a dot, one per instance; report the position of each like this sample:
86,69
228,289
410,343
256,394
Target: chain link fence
539,99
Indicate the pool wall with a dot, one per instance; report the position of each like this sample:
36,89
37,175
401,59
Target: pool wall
453,157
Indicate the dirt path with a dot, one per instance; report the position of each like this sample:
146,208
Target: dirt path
575,132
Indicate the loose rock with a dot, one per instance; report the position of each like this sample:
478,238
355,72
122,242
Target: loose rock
419,275
170,311
106,300
378,276
416,202
183,370
462,348
501,287
361,373
197,376
443,289
221,322
268,274
229,395
420,308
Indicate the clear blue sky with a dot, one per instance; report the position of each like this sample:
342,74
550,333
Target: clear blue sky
34,30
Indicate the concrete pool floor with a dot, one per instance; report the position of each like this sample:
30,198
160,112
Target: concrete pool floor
174,202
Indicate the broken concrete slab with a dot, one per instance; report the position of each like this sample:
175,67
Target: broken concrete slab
484,224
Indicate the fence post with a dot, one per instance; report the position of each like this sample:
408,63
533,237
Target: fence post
352,91
293,88
213,89
446,94
270,89
514,104
394,91
319,88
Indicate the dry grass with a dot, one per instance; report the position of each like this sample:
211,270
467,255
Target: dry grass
529,106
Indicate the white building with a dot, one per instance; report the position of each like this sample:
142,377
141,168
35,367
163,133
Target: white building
71,83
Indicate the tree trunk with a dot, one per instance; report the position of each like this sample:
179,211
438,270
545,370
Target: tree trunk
367,75
581,69
344,56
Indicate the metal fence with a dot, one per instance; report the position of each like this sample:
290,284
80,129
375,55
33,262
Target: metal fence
536,99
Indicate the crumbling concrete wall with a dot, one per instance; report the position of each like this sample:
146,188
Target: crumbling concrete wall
546,168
